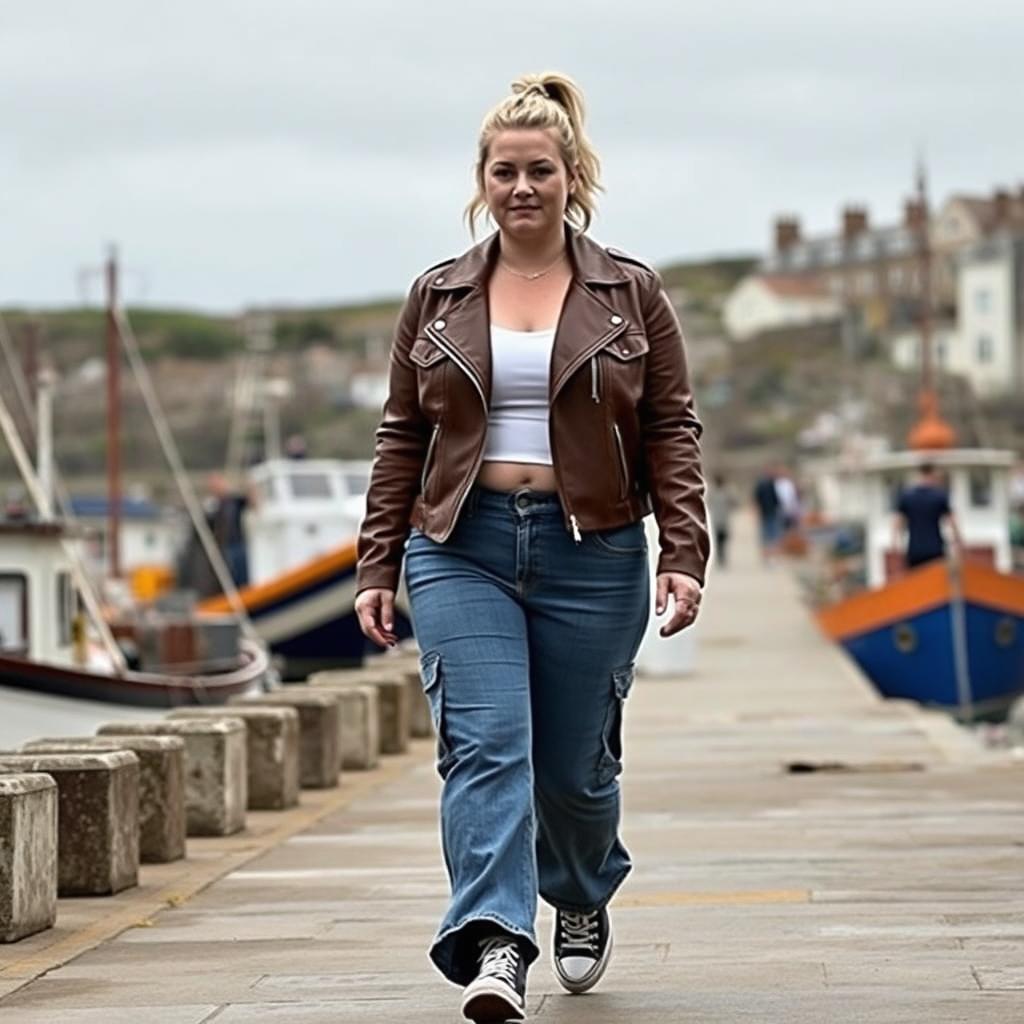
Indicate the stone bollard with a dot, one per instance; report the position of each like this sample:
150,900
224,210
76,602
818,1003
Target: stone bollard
360,727
97,818
392,700
161,786
28,855
272,751
319,730
216,781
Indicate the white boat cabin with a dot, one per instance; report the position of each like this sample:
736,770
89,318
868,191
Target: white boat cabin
302,509
978,480
38,602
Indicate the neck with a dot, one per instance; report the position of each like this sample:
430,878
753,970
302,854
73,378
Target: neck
533,253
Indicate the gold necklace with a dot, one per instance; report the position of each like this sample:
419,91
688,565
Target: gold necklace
536,274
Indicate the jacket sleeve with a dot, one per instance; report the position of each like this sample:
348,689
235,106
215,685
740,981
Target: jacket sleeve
399,451
671,441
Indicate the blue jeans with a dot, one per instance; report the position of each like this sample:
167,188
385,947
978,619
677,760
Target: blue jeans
527,644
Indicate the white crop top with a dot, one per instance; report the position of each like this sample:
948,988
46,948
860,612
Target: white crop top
517,425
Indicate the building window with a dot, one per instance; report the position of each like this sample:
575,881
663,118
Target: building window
941,351
986,350
982,300
895,277
867,283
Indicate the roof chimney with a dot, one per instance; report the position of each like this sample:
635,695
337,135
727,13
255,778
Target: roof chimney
855,222
787,233
1001,200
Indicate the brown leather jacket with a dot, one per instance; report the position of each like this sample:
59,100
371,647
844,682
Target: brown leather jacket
623,430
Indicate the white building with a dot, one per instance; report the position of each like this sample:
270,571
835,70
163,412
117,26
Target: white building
990,313
765,302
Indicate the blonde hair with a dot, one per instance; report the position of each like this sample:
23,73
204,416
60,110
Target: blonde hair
548,100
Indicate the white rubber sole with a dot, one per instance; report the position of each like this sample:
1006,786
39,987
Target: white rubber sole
592,977
489,1001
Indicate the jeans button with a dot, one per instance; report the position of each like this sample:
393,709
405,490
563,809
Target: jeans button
523,501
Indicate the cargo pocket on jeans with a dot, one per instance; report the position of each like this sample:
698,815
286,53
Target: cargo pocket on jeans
433,686
610,764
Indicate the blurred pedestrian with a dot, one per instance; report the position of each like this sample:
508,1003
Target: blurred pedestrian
721,505
225,507
539,406
922,511
769,514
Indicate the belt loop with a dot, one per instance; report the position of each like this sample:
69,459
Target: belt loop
474,499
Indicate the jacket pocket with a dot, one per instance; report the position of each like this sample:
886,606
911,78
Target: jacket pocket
610,764
628,347
425,353
432,675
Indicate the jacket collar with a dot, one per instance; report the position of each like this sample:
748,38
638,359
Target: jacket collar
591,264
588,319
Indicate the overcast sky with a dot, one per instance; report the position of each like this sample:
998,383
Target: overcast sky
246,151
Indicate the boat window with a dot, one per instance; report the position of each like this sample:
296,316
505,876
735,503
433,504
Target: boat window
310,485
13,613
66,608
980,488
357,483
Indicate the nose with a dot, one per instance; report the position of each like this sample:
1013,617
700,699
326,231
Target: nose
523,186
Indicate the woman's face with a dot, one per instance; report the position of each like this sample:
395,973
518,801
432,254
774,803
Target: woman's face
526,182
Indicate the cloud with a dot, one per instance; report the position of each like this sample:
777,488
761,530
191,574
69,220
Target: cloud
315,150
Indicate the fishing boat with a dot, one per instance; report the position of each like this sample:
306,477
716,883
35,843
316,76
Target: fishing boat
44,646
300,539
950,633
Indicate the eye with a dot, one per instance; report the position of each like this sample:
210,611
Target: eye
501,172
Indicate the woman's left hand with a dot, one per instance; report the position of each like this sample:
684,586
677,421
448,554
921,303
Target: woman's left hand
686,594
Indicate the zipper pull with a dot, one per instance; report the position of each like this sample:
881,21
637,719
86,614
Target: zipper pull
576,535
593,380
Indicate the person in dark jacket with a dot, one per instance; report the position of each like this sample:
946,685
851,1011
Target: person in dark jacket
921,513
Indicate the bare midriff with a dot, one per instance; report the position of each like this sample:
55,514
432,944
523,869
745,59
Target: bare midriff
511,476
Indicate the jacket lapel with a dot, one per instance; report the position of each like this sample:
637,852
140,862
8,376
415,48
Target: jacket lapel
587,323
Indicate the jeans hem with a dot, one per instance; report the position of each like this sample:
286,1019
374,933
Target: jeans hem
583,908
442,950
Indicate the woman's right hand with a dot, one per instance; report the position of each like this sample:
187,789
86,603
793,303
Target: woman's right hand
375,608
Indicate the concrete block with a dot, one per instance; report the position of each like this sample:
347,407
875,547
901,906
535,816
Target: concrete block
28,855
97,817
161,786
216,776
392,687
272,751
319,730
359,718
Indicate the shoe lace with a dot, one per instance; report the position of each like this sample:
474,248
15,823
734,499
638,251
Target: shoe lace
579,931
500,959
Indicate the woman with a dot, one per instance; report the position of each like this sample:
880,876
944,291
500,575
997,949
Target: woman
538,409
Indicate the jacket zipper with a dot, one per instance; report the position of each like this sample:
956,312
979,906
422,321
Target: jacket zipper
595,386
442,343
426,460
622,459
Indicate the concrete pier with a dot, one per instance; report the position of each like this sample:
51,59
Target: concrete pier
888,892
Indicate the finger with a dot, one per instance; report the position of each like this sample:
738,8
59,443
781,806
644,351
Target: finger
661,598
683,615
387,611
369,616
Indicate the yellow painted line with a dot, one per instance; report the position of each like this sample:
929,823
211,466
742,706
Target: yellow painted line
135,908
681,899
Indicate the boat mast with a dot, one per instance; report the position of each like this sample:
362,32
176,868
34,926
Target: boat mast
930,431
113,419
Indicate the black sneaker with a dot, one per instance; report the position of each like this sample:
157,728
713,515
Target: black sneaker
498,993
582,948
